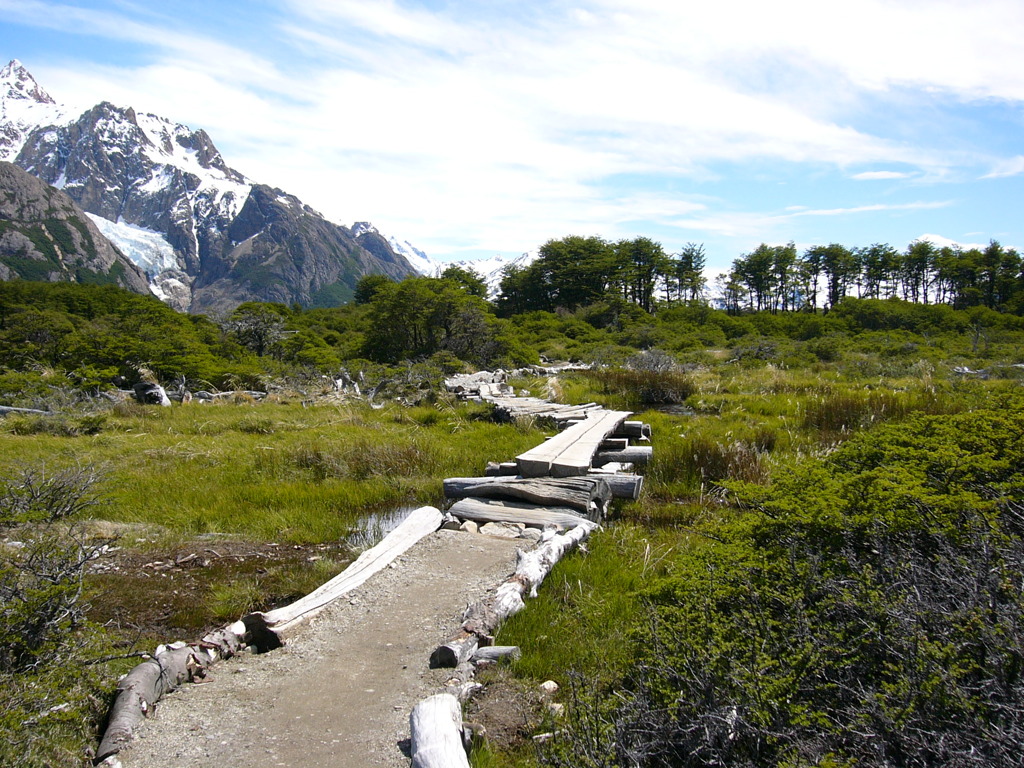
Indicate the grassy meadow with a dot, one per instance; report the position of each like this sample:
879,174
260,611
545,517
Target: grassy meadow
823,570
210,511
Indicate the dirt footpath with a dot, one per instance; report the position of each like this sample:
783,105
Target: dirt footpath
340,693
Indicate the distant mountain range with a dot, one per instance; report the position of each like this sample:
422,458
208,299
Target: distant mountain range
491,270
207,237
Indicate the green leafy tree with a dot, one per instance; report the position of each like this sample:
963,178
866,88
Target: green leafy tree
258,325
643,266
368,286
840,267
467,279
687,273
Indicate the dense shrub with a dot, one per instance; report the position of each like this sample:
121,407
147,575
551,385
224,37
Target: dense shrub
865,611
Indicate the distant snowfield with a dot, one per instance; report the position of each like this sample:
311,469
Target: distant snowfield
491,270
149,250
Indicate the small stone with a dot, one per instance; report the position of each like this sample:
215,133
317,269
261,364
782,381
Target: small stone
469,527
549,688
501,530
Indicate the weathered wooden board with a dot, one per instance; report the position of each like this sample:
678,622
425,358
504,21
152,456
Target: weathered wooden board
576,459
420,522
579,493
569,452
487,511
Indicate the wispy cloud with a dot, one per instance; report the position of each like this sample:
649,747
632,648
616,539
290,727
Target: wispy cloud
1013,166
511,123
881,176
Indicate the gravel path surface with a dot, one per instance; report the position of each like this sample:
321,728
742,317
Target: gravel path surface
340,692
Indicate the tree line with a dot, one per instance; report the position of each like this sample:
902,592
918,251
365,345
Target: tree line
575,271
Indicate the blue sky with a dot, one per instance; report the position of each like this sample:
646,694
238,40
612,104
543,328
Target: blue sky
480,128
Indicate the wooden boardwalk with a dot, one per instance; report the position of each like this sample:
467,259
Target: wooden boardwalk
593,442
562,487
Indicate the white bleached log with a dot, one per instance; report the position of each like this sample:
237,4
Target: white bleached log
265,627
578,493
487,511
435,726
6,409
140,690
483,619
496,653
504,469
622,486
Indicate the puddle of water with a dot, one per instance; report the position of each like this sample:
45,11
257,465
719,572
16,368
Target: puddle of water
675,410
369,530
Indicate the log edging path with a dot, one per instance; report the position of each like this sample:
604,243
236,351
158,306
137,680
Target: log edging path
566,510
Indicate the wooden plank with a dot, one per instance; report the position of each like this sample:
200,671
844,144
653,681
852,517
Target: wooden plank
486,511
576,459
420,522
572,448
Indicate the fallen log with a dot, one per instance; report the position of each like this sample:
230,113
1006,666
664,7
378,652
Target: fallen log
140,690
148,393
6,409
486,511
269,629
496,653
622,486
504,469
634,429
636,454
483,619
578,493
435,726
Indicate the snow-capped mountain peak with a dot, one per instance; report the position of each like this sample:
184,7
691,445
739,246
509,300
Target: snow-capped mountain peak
419,260
24,106
206,236
492,269
17,83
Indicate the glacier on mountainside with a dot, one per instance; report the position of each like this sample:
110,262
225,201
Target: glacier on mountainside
148,249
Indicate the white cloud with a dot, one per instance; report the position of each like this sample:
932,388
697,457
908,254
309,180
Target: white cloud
1013,166
880,176
946,242
512,129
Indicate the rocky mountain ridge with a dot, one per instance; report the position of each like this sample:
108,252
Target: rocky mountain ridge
45,236
208,237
